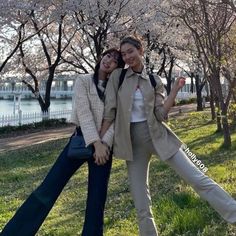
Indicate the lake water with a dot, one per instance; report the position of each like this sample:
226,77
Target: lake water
28,106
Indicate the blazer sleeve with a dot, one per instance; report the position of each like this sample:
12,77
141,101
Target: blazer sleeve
159,101
111,95
83,111
108,136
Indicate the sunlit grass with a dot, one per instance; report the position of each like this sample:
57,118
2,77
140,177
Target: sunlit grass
177,208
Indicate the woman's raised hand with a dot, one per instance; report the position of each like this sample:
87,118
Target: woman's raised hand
179,83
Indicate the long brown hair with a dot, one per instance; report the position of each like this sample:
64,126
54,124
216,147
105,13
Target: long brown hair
121,64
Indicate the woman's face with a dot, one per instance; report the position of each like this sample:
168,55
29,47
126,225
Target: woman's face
131,55
109,62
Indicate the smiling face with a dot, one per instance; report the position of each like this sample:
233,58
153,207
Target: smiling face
132,56
109,62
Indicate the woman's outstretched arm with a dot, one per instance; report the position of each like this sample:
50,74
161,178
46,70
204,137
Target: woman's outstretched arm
162,106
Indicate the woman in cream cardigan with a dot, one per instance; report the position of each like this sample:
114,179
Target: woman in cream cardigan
87,114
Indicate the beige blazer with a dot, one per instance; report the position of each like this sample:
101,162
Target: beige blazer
118,107
87,111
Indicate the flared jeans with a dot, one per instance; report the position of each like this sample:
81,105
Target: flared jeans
32,213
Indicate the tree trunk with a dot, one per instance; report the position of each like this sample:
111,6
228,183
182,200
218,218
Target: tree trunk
225,124
168,86
222,111
199,101
47,99
199,93
44,108
234,95
218,115
212,105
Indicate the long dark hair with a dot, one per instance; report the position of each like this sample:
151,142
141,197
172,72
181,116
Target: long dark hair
121,64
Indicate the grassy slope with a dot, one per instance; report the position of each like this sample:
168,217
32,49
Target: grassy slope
177,209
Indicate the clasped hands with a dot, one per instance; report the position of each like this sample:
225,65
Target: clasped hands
102,152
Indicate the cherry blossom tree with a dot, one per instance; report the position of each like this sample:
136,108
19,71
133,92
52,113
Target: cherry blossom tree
101,24
69,36
44,30
13,29
210,23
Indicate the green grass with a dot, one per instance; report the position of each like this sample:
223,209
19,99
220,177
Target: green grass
177,209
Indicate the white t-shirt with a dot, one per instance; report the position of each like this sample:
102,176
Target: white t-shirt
138,110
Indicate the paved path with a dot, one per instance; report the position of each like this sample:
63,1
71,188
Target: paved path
54,134
181,109
34,138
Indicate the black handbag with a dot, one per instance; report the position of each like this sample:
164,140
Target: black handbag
77,148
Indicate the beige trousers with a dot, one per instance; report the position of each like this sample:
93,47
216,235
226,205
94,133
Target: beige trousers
138,171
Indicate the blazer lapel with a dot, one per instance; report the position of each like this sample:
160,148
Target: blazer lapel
92,87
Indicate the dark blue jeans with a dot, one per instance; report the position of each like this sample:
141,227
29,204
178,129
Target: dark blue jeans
34,210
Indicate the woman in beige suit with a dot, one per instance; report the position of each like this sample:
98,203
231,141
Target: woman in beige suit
138,109
88,108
